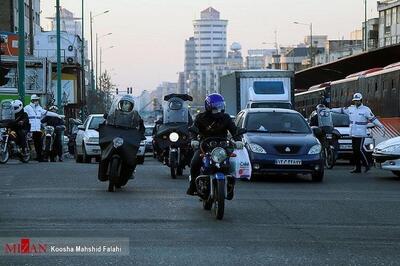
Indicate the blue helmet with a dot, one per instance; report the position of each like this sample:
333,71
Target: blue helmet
215,103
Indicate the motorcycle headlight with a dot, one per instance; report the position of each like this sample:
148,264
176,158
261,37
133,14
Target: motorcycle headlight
118,142
257,148
392,149
316,149
219,155
370,146
174,137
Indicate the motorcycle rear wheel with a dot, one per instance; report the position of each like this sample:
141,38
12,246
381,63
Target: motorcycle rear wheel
219,199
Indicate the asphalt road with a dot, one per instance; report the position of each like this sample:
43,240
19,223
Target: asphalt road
346,220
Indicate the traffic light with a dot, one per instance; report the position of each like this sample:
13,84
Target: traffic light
129,90
116,91
3,74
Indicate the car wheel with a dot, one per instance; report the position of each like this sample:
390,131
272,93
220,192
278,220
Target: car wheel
396,173
78,158
318,176
86,158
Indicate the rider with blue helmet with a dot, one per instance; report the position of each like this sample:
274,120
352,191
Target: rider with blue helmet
214,122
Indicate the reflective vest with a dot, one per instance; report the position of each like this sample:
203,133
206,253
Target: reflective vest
35,114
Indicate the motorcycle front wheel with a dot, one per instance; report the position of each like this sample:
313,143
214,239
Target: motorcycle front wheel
329,158
219,199
4,154
114,175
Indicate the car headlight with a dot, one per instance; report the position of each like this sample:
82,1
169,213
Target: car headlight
257,148
118,142
219,155
316,149
92,140
174,137
392,149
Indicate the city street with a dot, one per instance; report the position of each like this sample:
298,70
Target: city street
347,219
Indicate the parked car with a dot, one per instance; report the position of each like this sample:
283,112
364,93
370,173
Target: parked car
149,138
87,139
387,155
341,122
281,141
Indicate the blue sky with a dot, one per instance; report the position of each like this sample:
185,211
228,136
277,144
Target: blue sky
149,35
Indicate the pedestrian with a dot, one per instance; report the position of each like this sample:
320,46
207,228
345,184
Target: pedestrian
359,115
35,114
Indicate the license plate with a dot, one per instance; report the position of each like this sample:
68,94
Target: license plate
288,162
346,147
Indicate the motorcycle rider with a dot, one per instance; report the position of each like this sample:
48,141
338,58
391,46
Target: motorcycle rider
20,124
35,114
123,115
214,122
55,122
359,115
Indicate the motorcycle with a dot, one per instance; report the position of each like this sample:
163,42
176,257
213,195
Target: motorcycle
172,136
215,182
176,150
8,146
119,147
48,141
330,143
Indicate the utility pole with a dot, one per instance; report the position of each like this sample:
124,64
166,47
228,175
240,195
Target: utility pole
365,27
83,59
91,52
59,92
311,46
21,50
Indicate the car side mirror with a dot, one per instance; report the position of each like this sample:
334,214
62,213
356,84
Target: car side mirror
81,127
317,131
105,116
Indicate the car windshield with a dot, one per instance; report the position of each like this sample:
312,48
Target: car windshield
95,122
148,131
277,122
340,120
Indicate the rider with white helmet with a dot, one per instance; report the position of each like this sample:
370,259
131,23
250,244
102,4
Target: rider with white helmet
21,123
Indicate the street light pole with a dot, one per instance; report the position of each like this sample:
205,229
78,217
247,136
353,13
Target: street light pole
58,56
21,50
97,52
101,53
83,97
365,26
93,85
311,41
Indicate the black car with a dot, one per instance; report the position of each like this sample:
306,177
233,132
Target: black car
280,141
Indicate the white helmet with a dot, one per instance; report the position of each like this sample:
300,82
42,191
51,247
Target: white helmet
17,106
34,97
357,96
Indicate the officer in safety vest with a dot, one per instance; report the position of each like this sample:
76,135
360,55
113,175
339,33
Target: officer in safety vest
359,115
35,114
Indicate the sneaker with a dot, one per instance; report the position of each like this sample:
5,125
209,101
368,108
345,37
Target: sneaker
192,190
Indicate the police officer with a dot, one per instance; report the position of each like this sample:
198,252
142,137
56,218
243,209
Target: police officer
21,124
214,122
35,114
359,115
57,123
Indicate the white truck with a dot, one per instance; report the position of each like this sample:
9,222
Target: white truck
257,89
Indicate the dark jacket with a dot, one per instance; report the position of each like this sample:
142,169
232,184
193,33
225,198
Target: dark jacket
214,125
21,121
52,121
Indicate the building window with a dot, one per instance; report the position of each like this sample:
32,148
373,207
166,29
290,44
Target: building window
205,32
394,16
204,39
388,18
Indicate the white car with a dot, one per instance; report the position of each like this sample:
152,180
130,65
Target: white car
387,155
87,139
